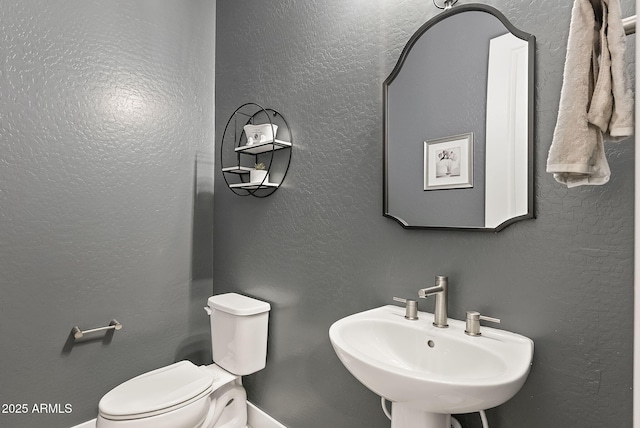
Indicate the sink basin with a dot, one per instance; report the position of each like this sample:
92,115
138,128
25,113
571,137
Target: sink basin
427,369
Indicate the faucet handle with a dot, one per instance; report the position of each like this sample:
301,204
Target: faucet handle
473,322
411,308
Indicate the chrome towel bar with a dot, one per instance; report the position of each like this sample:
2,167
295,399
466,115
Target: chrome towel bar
113,325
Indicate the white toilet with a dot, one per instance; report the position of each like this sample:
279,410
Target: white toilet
184,395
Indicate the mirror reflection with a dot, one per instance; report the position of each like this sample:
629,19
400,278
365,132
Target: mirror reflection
459,124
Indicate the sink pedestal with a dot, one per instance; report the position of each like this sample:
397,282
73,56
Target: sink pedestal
403,416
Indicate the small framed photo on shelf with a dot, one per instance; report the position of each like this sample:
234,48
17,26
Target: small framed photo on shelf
448,162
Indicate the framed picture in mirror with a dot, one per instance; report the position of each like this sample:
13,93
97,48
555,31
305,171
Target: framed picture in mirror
448,162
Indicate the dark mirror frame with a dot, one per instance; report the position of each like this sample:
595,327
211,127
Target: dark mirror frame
530,39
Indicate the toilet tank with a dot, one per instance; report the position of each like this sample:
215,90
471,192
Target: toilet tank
239,327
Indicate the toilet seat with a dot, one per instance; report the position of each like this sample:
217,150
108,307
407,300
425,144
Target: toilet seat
157,392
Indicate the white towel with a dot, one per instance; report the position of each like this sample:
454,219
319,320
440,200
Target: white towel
595,97
612,101
621,123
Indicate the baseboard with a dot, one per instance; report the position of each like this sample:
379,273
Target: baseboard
88,424
256,418
259,419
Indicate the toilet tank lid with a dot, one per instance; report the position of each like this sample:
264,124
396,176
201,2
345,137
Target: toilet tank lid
237,304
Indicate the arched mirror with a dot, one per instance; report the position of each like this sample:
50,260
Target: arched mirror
459,124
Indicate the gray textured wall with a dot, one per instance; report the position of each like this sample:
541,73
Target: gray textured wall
319,248
106,135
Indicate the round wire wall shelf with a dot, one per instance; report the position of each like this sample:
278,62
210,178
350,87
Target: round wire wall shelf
255,152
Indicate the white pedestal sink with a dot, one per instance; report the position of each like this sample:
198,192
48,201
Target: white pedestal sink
429,373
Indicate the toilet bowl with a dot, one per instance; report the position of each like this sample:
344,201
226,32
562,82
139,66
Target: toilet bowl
183,395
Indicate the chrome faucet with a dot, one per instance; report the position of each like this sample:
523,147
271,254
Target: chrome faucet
440,290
